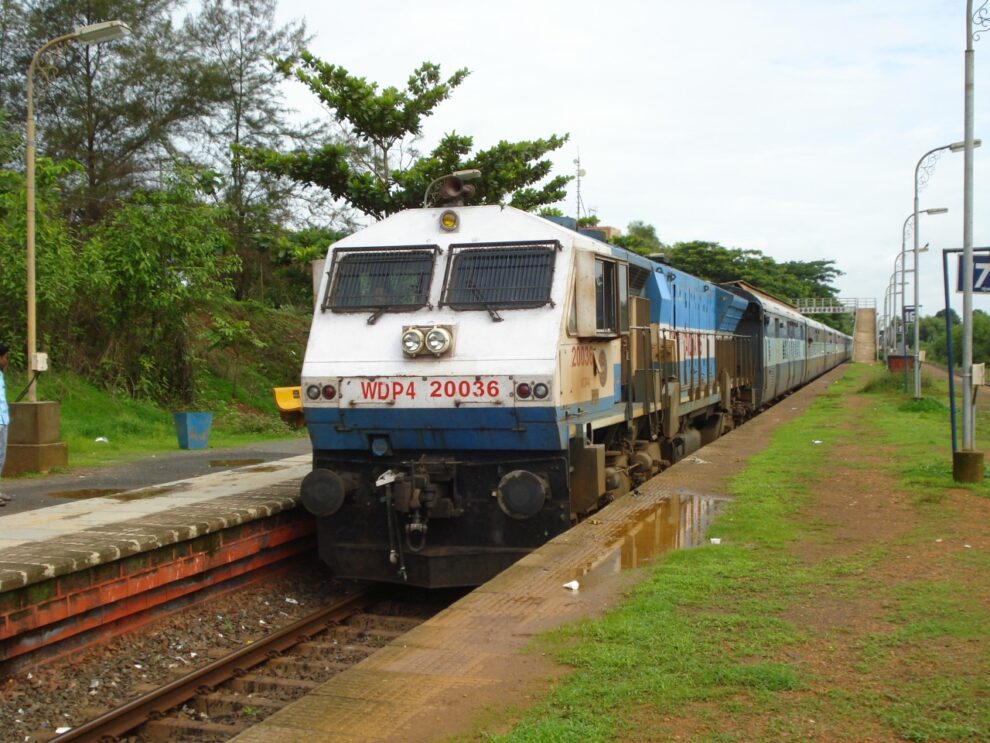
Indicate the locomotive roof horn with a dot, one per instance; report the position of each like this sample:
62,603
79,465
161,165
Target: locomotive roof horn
452,190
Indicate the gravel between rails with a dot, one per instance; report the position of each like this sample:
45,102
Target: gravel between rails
35,705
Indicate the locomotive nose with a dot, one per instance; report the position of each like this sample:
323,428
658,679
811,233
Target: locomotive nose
322,492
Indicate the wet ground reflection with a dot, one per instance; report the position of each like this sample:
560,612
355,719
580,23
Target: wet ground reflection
677,522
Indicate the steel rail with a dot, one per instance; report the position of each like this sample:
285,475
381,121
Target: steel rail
147,707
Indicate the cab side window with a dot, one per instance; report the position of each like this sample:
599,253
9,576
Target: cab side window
605,297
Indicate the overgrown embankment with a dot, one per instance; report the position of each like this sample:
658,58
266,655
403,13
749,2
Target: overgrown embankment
238,357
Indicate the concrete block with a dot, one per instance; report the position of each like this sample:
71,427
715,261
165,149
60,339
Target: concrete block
23,458
34,423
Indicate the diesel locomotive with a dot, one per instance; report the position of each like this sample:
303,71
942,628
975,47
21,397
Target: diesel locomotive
478,378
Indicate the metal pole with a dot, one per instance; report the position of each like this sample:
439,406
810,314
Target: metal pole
948,347
915,359
32,394
903,296
29,148
883,326
968,427
914,225
96,33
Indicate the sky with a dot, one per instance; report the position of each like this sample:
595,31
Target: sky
792,128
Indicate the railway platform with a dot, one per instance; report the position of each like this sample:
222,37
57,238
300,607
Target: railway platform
78,571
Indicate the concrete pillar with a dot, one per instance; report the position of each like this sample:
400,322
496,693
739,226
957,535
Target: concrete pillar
33,438
967,466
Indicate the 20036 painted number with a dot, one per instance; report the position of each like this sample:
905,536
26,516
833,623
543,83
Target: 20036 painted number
464,388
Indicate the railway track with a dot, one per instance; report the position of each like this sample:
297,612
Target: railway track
219,701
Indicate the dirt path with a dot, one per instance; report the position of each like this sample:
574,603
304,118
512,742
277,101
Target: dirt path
895,620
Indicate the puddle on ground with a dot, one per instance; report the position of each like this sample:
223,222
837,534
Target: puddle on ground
267,468
85,493
677,522
234,462
149,492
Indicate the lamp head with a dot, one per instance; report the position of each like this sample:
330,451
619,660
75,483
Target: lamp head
97,33
957,146
936,210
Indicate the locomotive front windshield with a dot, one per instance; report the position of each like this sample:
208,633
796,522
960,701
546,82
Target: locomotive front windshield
515,276
380,279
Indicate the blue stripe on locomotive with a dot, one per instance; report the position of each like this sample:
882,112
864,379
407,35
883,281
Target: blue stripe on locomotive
521,427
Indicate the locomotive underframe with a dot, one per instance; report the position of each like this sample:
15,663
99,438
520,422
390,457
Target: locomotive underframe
440,524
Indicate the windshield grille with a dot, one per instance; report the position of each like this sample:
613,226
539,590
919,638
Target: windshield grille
499,275
380,278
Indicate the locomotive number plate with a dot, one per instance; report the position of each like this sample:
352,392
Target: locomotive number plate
425,392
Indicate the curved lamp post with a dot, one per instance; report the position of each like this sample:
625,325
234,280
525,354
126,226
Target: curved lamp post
96,33
896,318
967,464
923,169
913,219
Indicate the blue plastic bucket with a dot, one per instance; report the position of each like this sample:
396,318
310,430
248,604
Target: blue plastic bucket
193,429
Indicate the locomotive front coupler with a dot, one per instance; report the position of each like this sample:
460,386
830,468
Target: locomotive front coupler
395,556
416,494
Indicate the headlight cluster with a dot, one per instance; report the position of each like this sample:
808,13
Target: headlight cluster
435,340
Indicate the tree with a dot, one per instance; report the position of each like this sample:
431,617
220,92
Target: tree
373,165
58,274
13,49
240,40
147,268
640,238
790,280
120,109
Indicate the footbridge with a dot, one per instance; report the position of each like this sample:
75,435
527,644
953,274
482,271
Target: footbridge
865,328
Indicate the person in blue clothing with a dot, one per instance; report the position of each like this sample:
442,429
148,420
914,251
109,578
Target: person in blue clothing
4,414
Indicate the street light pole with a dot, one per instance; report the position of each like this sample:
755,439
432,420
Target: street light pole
894,313
914,221
981,20
96,33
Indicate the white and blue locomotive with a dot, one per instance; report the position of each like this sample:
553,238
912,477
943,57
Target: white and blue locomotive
478,378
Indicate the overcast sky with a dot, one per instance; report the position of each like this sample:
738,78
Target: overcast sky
789,127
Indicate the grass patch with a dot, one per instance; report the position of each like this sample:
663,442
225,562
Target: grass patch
920,432
133,428
703,647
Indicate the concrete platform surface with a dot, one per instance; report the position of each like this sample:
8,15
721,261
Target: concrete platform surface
34,491
44,543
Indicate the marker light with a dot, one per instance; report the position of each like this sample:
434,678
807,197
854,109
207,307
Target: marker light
412,341
448,221
437,340
523,391
329,391
540,390
313,392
